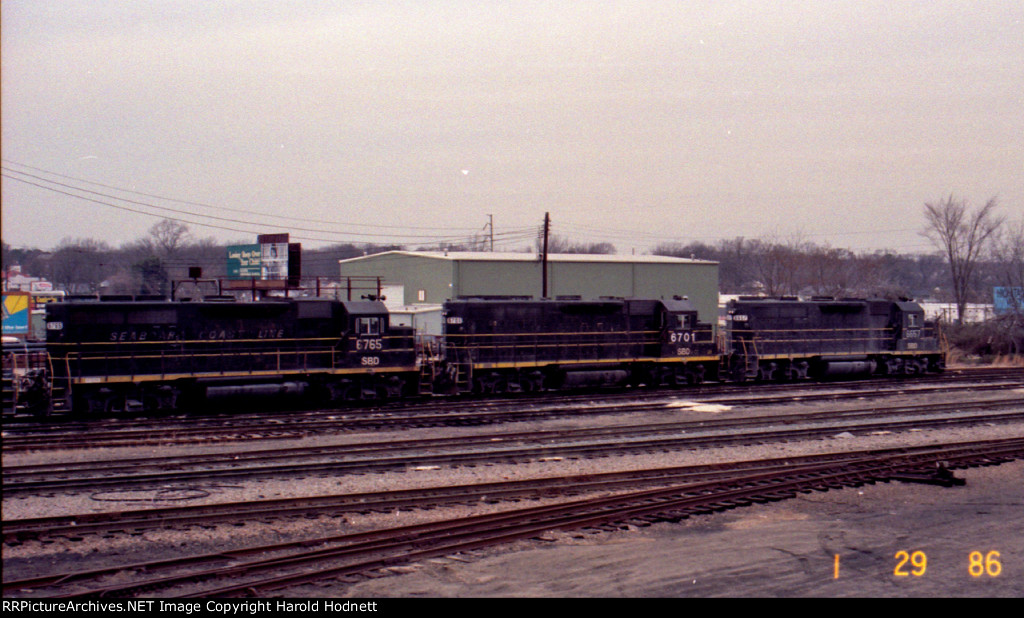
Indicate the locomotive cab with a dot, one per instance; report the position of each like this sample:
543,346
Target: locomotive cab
908,325
682,335
371,341
687,353
915,341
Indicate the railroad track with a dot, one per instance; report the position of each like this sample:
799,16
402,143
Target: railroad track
269,568
496,447
32,437
132,522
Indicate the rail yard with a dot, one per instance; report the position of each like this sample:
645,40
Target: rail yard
482,497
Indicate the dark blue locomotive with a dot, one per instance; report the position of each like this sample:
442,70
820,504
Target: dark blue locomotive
529,345
153,355
108,356
789,339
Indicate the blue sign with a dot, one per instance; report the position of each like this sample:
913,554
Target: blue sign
1007,300
16,313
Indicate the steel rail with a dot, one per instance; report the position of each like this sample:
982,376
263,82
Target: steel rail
411,543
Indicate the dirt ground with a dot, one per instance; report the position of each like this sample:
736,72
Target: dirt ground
781,549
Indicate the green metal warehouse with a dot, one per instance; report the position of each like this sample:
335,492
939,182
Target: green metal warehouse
436,276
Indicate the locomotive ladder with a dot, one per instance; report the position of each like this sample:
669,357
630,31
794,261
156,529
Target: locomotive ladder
463,377
426,386
750,358
32,370
463,371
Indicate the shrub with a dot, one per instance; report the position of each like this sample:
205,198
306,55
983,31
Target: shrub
1002,337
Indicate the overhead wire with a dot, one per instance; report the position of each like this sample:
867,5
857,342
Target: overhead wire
226,208
468,236
224,223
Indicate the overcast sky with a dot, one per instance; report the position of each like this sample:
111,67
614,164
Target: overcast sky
631,122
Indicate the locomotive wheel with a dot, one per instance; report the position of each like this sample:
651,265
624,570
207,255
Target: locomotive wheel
161,398
345,390
391,388
658,376
103,401
696,375
894,366
913,367
679,375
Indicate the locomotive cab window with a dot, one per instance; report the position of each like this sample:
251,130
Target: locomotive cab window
368,326
913,320
683,321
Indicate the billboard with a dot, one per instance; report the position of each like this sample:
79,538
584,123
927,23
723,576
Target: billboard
244,262
16,313
272,258
1007,300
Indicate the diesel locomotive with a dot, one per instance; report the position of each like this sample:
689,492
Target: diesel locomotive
500,345
789,339
159,355
156,355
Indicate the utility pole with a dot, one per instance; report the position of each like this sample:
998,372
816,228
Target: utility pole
544,258
490,226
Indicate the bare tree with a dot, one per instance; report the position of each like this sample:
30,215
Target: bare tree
562,244
168,236
79,265
1009,260
781,266
963,235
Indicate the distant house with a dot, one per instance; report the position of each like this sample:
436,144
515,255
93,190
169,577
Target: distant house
946,312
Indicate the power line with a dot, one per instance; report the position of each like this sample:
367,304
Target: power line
176,210
224,208
228,223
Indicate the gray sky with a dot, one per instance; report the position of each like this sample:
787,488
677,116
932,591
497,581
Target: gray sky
410,121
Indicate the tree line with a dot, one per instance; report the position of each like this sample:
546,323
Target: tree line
976,250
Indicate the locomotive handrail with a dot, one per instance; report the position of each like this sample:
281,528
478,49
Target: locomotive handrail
851,329
130,360
555,334
69,394
195,341
532,347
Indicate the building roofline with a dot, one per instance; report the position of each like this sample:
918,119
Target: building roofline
481,256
